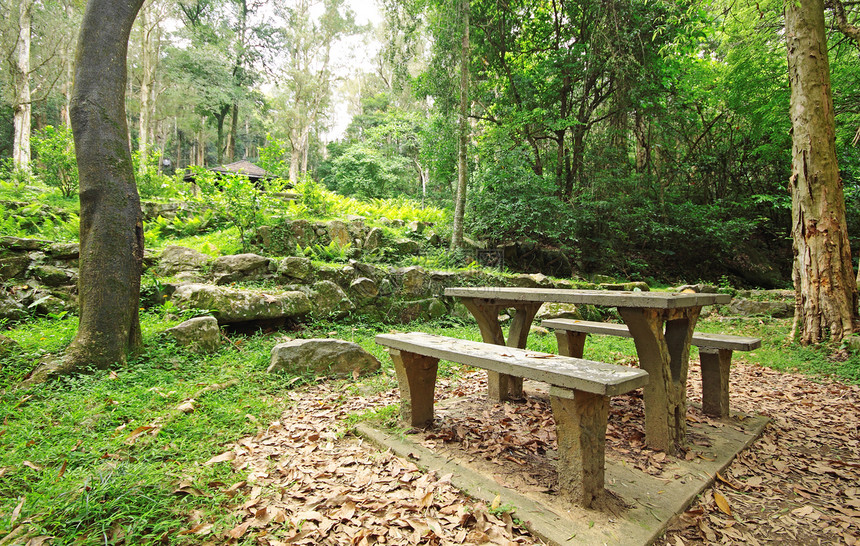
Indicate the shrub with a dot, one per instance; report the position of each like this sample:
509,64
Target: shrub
56,164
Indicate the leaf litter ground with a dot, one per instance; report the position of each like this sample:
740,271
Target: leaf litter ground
306,482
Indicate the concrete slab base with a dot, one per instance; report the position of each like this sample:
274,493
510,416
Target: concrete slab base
641,504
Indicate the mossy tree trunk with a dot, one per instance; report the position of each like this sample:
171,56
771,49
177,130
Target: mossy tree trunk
111,236
826,304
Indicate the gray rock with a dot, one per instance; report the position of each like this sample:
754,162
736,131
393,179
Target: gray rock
295,267
417,227
777,309
200,334
385,288
52,276
7,345
64,251
374,239
329,357
13,267
19,243
49,304
408,311
178,258
329,300
239,267
339,233
414,281
406,246
235,305
364,288
340,275
11,309
626,286
698,288
372,272
852,343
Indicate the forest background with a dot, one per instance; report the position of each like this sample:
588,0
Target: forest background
645,139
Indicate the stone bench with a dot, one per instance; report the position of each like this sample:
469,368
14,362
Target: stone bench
715,352
579,394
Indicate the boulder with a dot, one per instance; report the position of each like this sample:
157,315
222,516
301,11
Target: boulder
52,276
13,267
339,233
329,300
19,243
406,246
64,251
328,357
7,345
697,288
626,286
372,272
535,280
11,309
230,305
200,334
363,289
239,267
777,309
408,311
49,304
295,267
175,259
413,281
373,239
340,275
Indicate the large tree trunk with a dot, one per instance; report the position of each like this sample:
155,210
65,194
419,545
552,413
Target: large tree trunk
111,255
463,130
21,77
824,284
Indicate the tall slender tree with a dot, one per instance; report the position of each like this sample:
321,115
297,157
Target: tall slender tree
824,283
462,130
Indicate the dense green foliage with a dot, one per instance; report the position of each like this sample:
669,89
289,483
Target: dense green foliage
643,138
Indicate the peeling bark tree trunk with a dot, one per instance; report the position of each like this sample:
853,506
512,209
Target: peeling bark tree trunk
21,77
824,284
111,254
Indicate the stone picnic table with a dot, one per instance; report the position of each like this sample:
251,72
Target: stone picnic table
661,324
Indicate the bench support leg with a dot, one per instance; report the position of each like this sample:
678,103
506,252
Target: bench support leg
416,376
715,381
570,343
580,424
662,339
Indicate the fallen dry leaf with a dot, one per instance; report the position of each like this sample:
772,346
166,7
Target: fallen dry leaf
223,458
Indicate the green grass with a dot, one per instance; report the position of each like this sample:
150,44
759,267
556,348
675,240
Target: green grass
92,479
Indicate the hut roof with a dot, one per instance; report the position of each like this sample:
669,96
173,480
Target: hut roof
244,166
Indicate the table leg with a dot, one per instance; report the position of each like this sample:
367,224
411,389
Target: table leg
487,315
662,341
518,337
501,387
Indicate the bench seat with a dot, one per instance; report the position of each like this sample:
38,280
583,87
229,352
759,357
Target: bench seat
579,394
715,352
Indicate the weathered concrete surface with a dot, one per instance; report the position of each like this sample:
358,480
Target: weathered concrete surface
653,500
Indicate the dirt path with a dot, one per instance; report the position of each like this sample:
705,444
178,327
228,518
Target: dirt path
308,483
